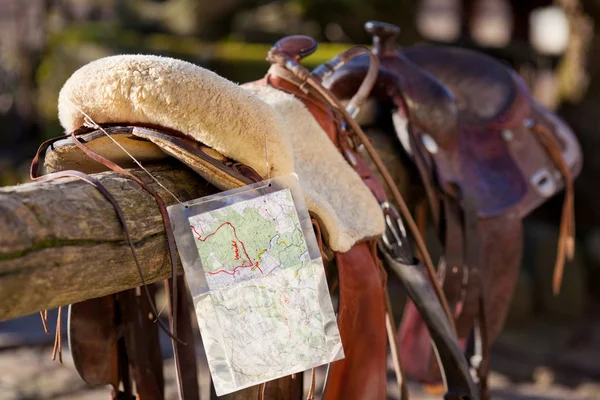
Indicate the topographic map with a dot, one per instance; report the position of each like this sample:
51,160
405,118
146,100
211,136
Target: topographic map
249,239
264,313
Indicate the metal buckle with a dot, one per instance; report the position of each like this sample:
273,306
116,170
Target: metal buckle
395,238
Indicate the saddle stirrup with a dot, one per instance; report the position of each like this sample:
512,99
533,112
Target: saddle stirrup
395,246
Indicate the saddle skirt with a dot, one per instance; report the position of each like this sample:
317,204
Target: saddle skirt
164,95
500,158
476,111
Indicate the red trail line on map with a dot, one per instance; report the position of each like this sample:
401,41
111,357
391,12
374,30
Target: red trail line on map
238,239
236,249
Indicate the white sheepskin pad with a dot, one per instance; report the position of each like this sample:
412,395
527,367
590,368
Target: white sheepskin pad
178,95
333,190
234,121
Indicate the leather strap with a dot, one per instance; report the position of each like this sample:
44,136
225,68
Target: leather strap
185,356
456,370
363,313
124,374
483,369
186,388
454,268
142,344
473,262
566,239
362,373
304,77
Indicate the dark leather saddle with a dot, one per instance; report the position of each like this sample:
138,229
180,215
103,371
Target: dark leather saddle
493,109
488,155
476,111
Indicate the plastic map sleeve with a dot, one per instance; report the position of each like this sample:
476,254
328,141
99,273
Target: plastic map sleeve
258,283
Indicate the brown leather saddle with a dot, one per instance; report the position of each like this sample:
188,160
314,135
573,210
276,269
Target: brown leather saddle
360,375
121,326
488,155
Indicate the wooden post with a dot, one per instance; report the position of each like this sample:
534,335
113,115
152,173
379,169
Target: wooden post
61,242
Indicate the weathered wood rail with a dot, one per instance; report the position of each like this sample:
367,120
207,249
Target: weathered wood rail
61,241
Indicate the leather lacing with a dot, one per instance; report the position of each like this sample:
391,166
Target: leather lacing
34,171
262,390
566,238
312,388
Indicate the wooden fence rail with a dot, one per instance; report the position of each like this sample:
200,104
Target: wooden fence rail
61,241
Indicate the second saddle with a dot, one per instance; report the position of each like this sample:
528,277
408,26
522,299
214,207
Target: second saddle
488,155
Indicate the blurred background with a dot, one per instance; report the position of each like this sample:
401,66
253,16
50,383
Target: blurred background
551,346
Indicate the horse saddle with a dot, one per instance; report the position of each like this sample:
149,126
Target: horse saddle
476,111
488,155
146,108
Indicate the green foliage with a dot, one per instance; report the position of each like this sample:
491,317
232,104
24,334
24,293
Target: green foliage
82,43
231,37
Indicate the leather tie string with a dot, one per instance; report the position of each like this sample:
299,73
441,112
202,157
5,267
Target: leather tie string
566,238
34,175
312,387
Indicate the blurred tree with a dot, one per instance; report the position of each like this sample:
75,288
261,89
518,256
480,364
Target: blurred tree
202,18
22,35
582,115
350,15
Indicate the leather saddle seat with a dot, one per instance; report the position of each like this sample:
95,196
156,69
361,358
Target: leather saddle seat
476,111
483,89
499,155
492,104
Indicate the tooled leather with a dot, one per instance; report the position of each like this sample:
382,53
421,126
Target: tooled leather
419,93
430,105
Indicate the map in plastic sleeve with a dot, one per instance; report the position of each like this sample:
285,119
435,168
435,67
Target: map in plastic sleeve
258,283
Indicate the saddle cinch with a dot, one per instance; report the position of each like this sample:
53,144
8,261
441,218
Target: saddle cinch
148,108
488,155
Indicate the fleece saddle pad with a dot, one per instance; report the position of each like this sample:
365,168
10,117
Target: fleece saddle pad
238,123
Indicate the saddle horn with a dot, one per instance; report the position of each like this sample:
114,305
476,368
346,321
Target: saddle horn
384,37
296,47
290,50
